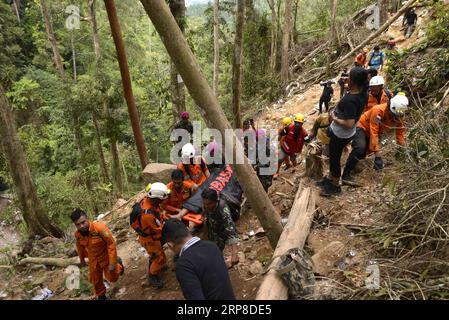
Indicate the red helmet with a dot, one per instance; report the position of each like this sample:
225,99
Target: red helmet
184,115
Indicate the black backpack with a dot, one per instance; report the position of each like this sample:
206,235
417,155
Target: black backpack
135,219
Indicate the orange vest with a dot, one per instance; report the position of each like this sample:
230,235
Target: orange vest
372,101
151,220
176,199
378,120
99,246
195,173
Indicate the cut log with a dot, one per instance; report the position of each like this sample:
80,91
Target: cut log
158,172
58,262
294,236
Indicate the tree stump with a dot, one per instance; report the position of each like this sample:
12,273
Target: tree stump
314,163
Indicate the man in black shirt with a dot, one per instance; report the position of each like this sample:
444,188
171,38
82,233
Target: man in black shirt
200,269
411,18
342,82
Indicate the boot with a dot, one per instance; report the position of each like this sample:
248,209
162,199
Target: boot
155,281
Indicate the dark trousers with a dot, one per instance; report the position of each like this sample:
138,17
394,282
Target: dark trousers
336,146
342,90
326,101
360,145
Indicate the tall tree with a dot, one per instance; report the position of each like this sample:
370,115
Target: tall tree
178,9
237,62
333,34
216,46
383,10
285,43
116,172
33,212
274,34
57,60
76,126
212,112
126,81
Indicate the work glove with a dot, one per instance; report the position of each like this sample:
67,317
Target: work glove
378,163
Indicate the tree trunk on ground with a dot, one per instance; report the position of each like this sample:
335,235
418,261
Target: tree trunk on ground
97,49
51,37
285,43
237,62
57,262
126,80
178,9
33,212
294,235
212,112
274,34
216,46
376,34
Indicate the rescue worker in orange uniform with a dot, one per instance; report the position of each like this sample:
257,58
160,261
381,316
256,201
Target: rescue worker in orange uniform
378,94
179,192
371,125
194,168
95,241
147,220
360,59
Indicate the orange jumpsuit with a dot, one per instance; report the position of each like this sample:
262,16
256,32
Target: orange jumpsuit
151,223
197,176
176,199
372,101
100,248
376,121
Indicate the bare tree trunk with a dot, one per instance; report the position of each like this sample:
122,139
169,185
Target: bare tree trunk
96,42
295,31
212,112
116,171
79,135
274,34
16,9
216,46
126,80
334,39
51,37
237,62
178,9
33,212
285,43
383,10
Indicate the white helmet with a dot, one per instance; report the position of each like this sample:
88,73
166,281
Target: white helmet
188,151
158,190
377,81
399,104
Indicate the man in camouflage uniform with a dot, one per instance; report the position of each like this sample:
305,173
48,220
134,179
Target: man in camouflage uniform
264,151
221,227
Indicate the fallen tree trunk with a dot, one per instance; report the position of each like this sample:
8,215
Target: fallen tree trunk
189,69
376,34
294,236
58,262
